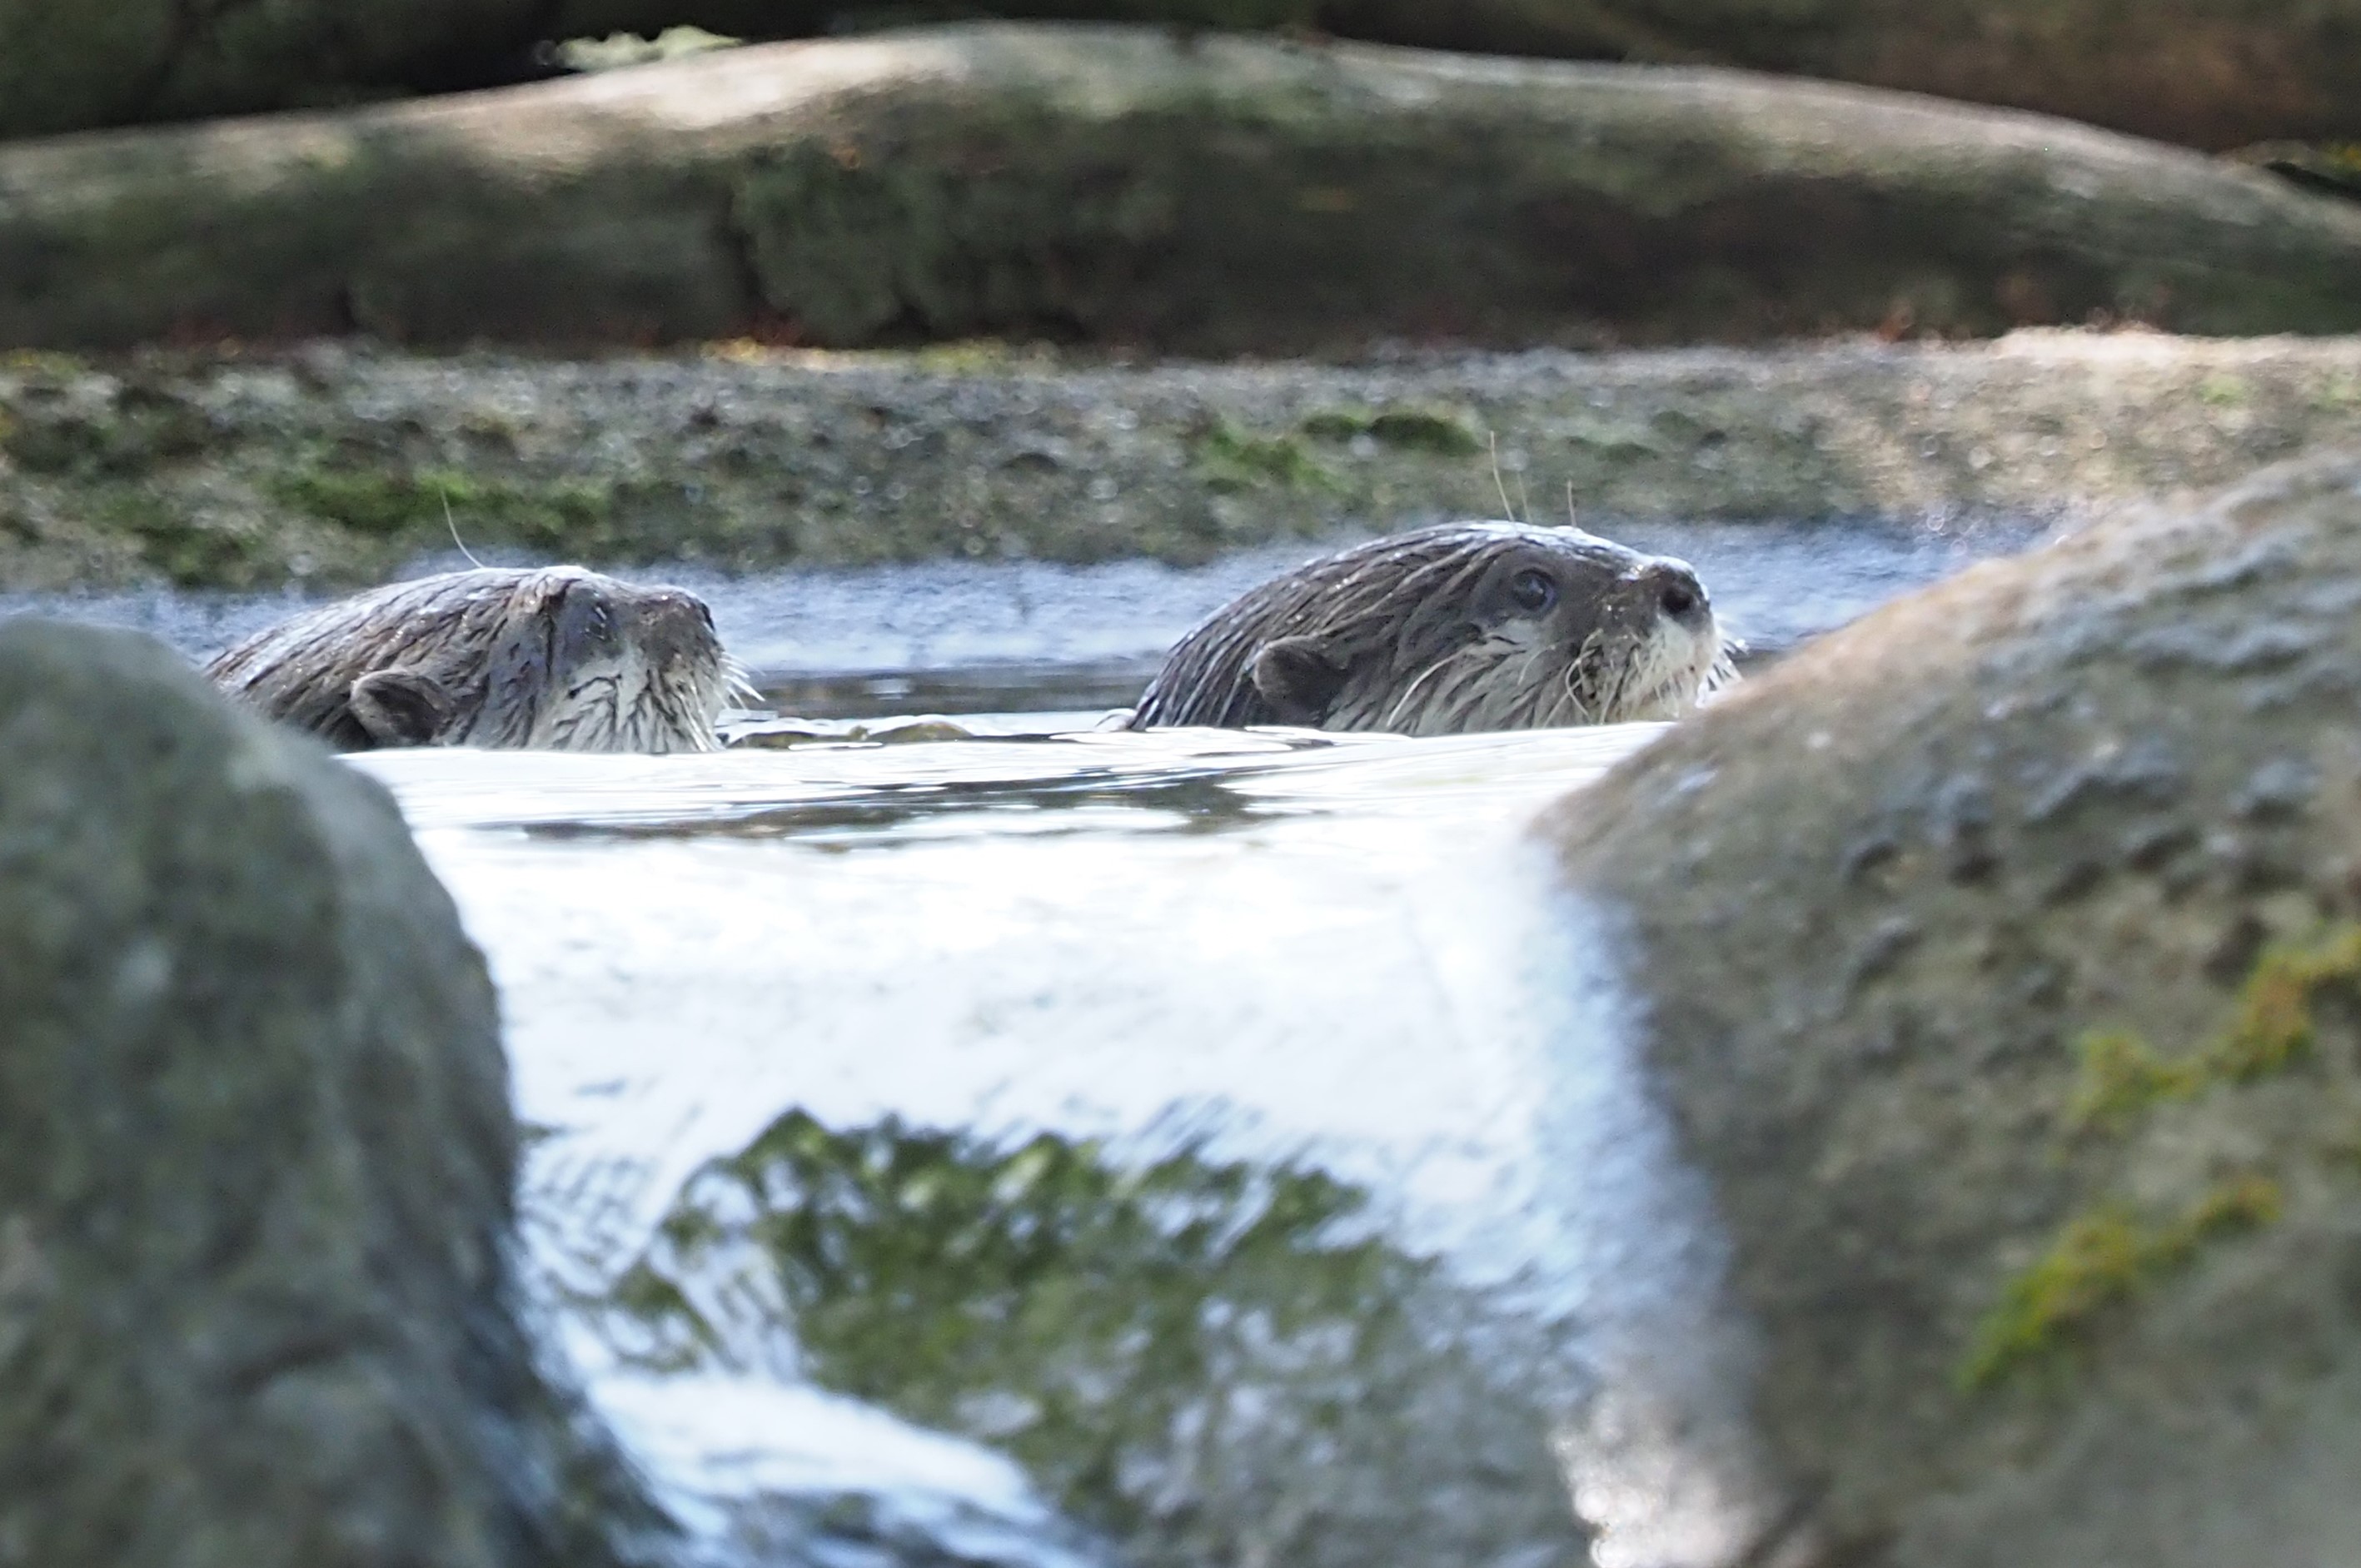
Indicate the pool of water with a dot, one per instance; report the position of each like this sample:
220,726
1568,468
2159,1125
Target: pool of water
1265,1054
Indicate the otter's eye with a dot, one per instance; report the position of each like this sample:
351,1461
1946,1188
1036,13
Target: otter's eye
1532,591
1678,598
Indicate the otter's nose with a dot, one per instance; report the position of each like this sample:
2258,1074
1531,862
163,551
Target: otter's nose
1678,592
674,623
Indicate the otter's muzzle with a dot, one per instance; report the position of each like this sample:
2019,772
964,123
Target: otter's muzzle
1678,595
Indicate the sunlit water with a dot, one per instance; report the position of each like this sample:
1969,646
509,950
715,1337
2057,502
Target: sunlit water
1191,1149
1261,947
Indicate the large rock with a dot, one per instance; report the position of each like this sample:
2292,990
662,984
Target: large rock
1207,195
2209,74
2212,73
1998,971
255,1161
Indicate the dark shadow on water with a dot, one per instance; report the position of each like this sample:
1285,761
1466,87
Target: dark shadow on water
1187,801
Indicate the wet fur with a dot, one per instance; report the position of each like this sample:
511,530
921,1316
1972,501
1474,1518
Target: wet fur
557,658
1412,634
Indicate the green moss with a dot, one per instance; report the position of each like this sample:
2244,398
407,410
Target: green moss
1229,459
1417,430
1085,1305
2222,390
140,428
2101,1259
643,1293
2122,1075
567,516
1337,425
1404,430
2339,395
190,551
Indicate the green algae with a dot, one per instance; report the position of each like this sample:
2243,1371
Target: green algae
136,430
2107,1254
188,550
2223,391
1229,460
417,508
2098,1260
2122,1075
1101,1320
1430,431
2338,395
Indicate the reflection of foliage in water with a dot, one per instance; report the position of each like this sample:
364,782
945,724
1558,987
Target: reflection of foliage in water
1213,1361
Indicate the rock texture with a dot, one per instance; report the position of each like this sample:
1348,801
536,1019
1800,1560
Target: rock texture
2212,73
1206,194
331,467
2209,74
2000,975
255,1161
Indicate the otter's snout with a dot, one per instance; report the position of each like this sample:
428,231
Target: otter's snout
674,625
1676,592
598,625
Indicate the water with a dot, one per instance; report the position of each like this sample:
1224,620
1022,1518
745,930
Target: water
1250,953
1027,636
1056,1150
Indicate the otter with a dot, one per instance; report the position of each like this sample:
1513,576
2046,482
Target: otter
557,658
1465,627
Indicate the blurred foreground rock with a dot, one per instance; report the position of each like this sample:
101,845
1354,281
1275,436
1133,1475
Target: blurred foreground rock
2212,73
255,1161
1997,961
1201,194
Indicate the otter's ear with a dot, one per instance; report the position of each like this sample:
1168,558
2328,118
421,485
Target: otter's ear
1299,678
400,707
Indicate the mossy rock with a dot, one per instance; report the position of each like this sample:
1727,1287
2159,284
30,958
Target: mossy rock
2003,982
2210,73
331,469
1206,194
257,1162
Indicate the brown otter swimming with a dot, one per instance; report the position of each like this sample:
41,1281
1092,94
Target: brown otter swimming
1466,627
557,658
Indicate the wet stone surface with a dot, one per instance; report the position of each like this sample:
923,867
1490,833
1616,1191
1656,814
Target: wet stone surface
333,466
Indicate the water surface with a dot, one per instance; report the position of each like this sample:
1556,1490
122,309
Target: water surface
1281,1034
959,636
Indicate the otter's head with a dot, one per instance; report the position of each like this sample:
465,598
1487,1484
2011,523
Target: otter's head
1466,627
555,657
582,662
